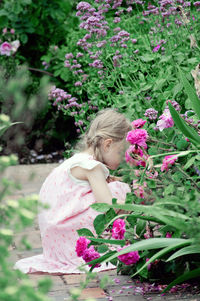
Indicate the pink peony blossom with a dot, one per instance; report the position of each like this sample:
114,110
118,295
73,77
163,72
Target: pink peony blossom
138,137
119,228
165,121
129,258
90,254
81,245
168,160
5,49
138,123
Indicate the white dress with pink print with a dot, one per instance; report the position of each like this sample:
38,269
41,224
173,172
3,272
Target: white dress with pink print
69,201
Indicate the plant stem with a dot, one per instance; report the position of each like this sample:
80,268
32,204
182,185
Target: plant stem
41,71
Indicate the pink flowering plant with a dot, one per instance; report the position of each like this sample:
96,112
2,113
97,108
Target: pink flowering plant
154,236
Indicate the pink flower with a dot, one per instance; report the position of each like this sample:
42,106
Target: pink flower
119,228
12,31
168,235
138,123
81,245
90,254
137,154
156,48
5,49
168,160
138,137
129,258
165,121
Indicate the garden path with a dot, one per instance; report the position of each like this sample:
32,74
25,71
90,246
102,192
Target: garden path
120,288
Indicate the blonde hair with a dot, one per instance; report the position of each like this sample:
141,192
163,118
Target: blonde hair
108,123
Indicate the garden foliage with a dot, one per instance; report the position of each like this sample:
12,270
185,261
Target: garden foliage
141,57
15,216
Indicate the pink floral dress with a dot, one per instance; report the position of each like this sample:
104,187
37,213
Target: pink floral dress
69,201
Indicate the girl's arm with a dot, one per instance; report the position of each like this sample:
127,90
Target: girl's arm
96,178
99,186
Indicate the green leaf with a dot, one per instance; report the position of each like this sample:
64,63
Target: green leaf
161,253
147,58
101,207
194,249
108,241
99,223
189,163
159,84
195,101
182,144
24,38
84,232
102,248
3,128
110,214
169,189
150,244
189,132
188,275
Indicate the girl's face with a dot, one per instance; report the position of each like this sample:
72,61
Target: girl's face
113,153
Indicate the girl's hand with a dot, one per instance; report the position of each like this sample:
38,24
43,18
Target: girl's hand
112,179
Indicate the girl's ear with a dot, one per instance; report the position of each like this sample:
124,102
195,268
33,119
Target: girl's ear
106,144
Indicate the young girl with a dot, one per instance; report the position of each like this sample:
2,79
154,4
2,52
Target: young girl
72,187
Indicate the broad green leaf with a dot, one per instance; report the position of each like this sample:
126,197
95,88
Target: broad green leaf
108,241
195,101
84,232
189,132
160,254
102,248
99,223
188,275
194,249
149,244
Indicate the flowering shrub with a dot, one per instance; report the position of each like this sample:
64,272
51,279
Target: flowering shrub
158,239
109,62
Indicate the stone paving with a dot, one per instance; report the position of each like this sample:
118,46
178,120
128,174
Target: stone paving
31,177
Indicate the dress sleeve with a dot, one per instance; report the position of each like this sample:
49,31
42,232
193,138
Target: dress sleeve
89,164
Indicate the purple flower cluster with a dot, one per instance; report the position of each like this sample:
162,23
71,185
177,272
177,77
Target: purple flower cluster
66,102
151,114
175,104
120,39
